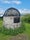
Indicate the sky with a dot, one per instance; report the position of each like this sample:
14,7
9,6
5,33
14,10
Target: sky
22,5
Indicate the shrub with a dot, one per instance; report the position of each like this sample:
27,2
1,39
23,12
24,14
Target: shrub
26,18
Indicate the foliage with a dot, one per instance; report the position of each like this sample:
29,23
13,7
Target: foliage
26,18
12,31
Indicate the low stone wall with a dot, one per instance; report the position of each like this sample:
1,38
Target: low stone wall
9,22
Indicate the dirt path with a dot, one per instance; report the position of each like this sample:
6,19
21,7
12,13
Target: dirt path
19,37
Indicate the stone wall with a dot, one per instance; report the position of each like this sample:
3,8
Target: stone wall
8,22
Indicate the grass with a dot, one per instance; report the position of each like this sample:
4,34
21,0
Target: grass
1,23
4,37
27,26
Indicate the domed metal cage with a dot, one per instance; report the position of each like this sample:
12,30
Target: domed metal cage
13,12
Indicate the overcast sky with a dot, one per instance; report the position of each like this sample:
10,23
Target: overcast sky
22,5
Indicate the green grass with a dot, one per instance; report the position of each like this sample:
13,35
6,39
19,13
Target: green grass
27,26
5,37
1,23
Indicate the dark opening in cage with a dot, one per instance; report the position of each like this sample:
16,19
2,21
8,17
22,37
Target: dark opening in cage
16,20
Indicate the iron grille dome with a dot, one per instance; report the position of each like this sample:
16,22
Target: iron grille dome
12,12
